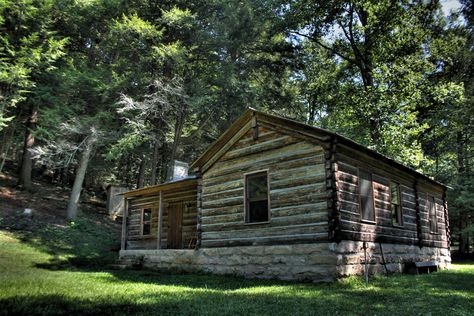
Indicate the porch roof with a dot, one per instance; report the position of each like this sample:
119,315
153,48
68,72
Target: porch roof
185,182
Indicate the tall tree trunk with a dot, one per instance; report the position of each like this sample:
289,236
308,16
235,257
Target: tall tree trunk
27,161
462,174
141,173
6,145
463,235
178,129
154,161
80,175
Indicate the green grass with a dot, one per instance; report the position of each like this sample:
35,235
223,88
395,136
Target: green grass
31,283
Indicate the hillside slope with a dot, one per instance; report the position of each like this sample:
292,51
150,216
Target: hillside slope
91,240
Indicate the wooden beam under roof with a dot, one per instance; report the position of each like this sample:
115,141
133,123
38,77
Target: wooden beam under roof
167,186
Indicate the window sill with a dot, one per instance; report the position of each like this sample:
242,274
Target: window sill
146,236
366,221
398,226
434,233
257,223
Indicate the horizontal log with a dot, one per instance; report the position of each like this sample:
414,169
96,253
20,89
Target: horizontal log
297,181
299,209
364,236
347,187
233,209
348,197
310,168
273,240
223,186
362,160
260,230
263,136
187,200
297,199
239,200
347,167
236,217
272,157
292,220
347,177
358,226
348,206
270,144
224,194
279,194
283,165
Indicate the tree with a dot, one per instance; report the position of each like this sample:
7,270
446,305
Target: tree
384,60
30,47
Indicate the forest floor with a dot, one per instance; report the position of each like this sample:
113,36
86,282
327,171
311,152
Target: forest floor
50,266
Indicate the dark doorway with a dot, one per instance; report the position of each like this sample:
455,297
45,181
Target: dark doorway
175,221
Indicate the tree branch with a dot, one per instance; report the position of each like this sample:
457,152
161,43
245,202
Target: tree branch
331,49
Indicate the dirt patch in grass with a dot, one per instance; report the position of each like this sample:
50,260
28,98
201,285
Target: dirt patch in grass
48,202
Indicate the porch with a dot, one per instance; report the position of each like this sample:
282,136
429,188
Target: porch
163,216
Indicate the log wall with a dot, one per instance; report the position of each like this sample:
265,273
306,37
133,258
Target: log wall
186,195
298,196
429,238
415,227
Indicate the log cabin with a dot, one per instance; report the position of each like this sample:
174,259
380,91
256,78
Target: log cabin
275,198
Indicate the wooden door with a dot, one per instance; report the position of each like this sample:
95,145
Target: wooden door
175,221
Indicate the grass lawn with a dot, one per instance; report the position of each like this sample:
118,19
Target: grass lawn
33,281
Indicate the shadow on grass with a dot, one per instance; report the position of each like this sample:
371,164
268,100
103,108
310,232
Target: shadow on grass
85,243
265,298
60,305
88,246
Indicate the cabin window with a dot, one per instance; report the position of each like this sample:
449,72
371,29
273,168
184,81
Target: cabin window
146,221
432,214
366,195
256,197
395,204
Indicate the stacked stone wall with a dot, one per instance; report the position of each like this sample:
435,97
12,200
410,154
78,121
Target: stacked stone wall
318,262
305,262
397,257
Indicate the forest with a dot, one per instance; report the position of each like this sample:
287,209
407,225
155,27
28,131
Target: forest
98,92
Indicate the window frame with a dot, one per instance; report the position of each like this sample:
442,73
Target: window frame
363,220
431,199
142,221
246,198
400,206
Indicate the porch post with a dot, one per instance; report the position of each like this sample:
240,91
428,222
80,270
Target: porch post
123,244
160,220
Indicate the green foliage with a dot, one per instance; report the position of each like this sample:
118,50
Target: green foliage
29,48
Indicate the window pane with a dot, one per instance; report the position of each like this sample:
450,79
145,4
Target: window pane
432,214
367,207
146,222
366,196
146,214
146,228
395,216
258,211
257,186
395,203
257,197
365,183
394,192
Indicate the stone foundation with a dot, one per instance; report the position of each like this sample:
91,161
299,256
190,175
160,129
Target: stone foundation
398,257
319,262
